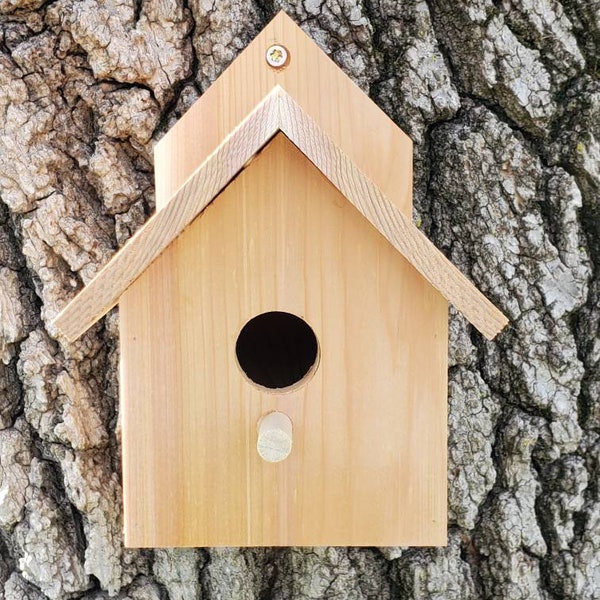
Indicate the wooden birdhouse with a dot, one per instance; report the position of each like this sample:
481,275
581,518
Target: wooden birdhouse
283,324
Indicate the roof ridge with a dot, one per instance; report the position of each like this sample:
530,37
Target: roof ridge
278,111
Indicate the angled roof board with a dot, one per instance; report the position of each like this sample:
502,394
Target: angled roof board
277,112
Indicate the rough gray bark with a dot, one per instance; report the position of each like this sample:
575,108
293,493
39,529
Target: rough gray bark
502,99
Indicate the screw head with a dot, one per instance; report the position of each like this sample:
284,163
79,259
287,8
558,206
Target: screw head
277,56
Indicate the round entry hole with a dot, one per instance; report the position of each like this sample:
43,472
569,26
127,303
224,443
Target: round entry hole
277,350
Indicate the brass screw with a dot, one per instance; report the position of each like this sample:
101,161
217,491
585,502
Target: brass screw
277,56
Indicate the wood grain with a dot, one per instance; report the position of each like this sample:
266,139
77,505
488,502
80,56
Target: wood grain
277,112
342,110
103,292
368,463
274,442
388,220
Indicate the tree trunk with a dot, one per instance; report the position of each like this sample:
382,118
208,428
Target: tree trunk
502,99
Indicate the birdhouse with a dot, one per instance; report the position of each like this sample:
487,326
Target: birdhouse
283,324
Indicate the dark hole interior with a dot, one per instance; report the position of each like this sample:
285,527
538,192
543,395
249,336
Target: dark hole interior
276,349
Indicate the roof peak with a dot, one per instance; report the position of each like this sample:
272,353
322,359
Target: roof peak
278,111
340,108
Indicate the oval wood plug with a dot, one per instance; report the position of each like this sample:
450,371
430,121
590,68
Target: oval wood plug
274,437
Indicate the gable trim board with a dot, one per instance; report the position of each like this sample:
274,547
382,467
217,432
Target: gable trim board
276,112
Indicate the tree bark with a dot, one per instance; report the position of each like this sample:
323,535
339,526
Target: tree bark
502,99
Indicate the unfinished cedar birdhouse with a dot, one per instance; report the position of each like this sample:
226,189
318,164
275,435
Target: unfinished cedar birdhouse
283,324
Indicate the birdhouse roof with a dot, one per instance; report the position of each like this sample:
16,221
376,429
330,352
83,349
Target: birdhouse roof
277,112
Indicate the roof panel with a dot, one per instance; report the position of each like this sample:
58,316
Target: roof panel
277,112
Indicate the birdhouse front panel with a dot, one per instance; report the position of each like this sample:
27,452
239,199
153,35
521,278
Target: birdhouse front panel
281,301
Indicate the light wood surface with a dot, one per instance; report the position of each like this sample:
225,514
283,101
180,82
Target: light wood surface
388,220
103,292
368,464
277,112
342,110
275,440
